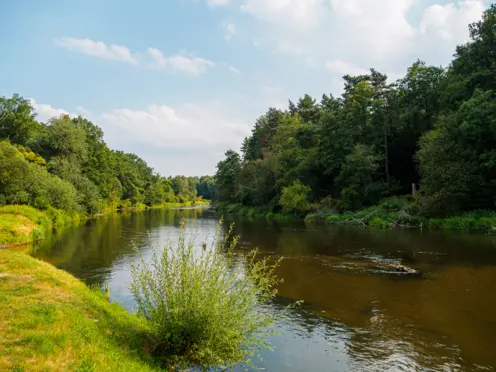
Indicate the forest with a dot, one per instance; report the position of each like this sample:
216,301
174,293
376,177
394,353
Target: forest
426,142
65,164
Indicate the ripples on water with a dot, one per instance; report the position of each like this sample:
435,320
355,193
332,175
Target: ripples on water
358,314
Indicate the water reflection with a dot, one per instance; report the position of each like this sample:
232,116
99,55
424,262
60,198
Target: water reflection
355,317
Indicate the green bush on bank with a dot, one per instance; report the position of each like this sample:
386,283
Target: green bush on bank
205,304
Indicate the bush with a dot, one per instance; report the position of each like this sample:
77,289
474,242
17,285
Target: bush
294,198
205,304
393,205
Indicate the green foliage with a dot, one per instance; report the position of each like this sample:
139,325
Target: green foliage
294,198
205,303
65,163
22,182
433,128
21,224
458,161
17,120
66,140
359,179
227,176
206,188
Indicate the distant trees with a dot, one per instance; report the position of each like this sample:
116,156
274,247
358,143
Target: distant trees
65,163
25,182
434,127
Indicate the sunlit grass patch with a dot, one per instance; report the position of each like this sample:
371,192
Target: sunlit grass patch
21,224
52,322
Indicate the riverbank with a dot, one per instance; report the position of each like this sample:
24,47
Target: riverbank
391,213
22,224
52,321
143,207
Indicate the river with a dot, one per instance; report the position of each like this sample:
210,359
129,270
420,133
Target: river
358,313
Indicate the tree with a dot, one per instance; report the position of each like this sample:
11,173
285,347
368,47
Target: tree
227,175
360,179
17,120
66,140
294,198
206,188
458,161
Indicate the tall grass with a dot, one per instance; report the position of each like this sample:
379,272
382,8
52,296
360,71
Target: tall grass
206,303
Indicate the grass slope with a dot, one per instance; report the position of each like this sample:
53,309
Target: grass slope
21,224
50,321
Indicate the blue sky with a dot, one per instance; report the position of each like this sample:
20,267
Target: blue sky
179,82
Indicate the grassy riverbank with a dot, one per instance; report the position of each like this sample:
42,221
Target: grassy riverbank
21,224
391,213
52,321
143,207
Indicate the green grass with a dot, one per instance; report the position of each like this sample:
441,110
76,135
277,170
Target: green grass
20,224
252,212
196,203
395,213
390,213
471,221
52,322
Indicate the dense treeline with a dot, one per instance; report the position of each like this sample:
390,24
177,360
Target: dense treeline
65,163
435,128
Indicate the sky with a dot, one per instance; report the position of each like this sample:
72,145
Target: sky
179,82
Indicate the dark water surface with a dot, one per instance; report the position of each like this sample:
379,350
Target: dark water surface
359,315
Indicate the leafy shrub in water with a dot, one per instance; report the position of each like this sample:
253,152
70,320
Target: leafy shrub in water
206,303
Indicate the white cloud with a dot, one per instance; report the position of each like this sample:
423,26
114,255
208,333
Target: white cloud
344,68
234,69
376,33
186,139
97,49
152,58
229,30
191,65
287,13
443,22
218,2
45,112
186,126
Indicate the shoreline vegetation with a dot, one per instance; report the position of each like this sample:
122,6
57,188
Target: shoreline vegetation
22,224
392,213
53,321
417,151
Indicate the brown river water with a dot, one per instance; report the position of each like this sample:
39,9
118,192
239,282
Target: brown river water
359,314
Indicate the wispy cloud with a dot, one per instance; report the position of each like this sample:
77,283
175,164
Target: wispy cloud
218,2
151,58
234,69
345,68
229,30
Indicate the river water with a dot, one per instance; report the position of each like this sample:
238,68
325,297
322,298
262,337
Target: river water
358,313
